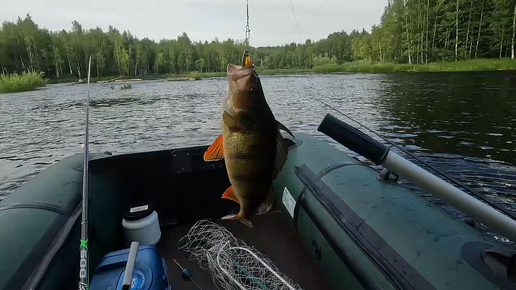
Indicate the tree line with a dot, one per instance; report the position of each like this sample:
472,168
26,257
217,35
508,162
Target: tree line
410,31
422,31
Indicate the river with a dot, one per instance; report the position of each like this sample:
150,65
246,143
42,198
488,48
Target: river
460,122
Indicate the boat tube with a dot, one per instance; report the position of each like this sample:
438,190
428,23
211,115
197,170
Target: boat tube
354,226
368,232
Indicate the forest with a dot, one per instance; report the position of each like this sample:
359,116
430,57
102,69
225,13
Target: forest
410,31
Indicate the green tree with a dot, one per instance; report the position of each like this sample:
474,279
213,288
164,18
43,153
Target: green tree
409,31
160,62
199,64
124,62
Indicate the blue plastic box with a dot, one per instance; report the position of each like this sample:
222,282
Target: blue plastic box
150,271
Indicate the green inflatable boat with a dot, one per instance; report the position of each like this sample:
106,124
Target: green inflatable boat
340,225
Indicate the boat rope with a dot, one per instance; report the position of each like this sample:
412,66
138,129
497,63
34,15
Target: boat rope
452,179
295,19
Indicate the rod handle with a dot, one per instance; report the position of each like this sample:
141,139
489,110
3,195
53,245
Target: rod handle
129,268
353,139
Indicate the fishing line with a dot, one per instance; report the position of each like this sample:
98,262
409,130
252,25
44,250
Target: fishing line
247,30
295,19
454,180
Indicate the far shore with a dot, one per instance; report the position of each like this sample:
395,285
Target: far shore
350,67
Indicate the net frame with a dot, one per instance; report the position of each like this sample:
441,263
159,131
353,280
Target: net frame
231,262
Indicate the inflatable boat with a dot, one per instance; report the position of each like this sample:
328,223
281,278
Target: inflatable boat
339,223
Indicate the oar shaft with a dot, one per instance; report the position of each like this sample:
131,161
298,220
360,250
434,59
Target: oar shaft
451,195
368,147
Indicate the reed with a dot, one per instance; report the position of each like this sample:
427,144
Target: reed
27,81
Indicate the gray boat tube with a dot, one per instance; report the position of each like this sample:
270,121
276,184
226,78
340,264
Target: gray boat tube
380,154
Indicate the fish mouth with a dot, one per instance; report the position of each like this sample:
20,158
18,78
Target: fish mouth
237,73
243,86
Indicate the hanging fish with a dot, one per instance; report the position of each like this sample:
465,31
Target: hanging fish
251,144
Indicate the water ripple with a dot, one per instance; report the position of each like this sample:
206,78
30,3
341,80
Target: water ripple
460,123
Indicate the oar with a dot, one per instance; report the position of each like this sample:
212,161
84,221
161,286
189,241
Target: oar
378,153
83,248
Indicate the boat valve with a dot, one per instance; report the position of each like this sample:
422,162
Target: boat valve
316,250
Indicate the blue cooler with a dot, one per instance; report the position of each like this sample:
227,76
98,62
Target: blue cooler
150,271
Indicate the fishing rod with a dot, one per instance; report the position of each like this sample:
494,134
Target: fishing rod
454,180
83,248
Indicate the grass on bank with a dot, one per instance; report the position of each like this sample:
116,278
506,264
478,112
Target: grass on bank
358,66
449,66
197,75
27,81
370,67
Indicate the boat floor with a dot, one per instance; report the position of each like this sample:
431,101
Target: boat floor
271,235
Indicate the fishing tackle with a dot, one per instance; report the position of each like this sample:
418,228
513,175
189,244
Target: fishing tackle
186,274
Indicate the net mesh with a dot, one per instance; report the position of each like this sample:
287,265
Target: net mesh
231,263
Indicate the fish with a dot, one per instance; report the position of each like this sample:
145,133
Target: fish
251,144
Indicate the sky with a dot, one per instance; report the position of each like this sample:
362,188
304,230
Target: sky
271,21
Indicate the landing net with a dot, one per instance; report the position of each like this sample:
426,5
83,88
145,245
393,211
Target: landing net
231,263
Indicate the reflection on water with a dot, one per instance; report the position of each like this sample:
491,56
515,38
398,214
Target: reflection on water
461,123
462,115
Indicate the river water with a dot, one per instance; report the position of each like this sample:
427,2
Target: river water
462,123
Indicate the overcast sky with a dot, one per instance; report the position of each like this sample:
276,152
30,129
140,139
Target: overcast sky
271,21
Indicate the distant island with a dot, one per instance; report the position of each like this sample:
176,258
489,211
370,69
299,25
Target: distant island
461,35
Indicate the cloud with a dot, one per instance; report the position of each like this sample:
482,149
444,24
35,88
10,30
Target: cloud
271,22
